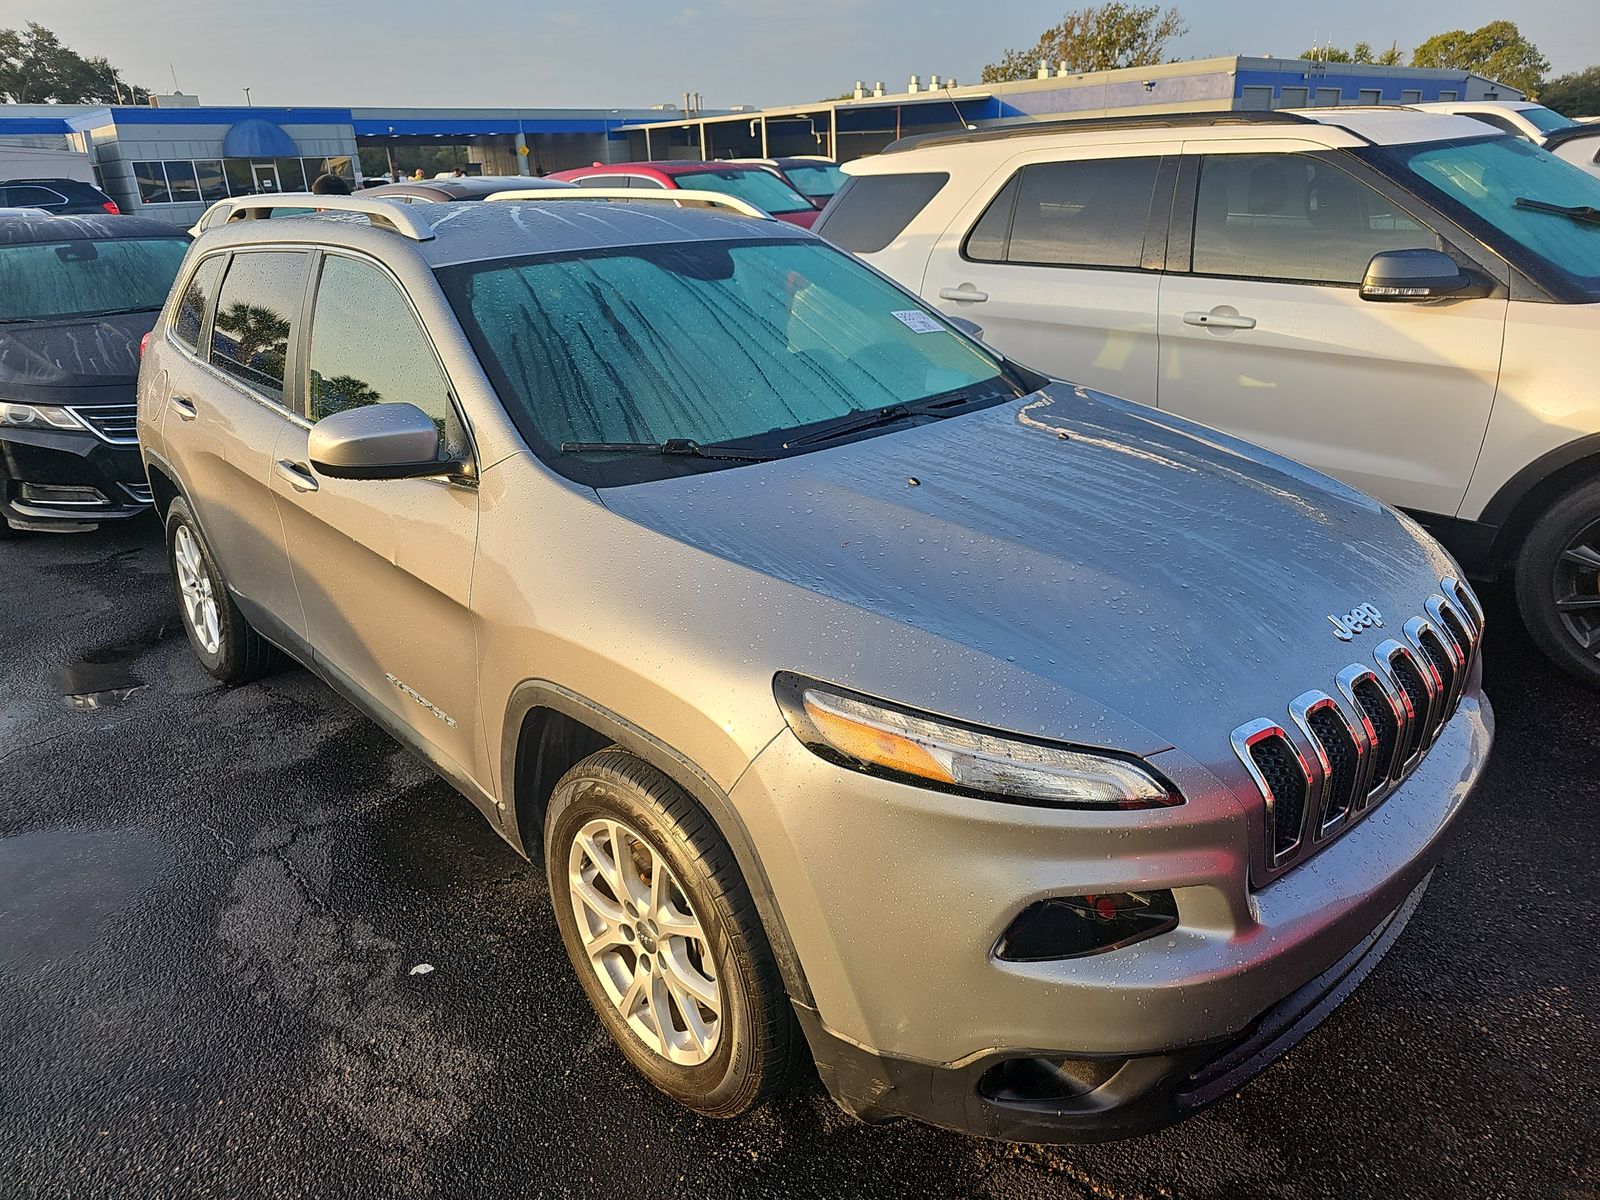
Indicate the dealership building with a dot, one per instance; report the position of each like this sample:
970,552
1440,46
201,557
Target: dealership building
172,158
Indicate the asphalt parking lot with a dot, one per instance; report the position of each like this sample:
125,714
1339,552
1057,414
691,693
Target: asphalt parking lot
211,903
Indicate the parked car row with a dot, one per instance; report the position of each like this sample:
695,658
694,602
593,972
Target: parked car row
1036,762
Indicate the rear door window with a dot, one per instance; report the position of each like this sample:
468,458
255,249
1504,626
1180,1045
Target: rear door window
26,196
870,211
257,312
1082,213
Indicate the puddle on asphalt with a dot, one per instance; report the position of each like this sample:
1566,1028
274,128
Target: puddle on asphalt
104,678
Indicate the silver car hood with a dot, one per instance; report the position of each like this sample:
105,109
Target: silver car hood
1177,577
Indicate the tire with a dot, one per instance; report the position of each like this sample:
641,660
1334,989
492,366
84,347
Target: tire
747,1047
227,647
1558,583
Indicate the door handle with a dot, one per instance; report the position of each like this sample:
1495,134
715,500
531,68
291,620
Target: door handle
966,294
298,476
1219,320
183,406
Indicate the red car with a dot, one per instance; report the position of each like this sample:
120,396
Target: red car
761,187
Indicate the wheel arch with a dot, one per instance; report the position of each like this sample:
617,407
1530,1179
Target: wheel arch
549,728
1513,510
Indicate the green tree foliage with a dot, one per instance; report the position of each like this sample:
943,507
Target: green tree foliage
1361,52
36,68
1574,95
1497,51
1101,38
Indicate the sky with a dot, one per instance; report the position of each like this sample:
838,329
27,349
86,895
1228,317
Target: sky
633,53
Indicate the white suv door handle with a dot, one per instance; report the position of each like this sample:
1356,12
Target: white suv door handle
1219,320
965,293
299,478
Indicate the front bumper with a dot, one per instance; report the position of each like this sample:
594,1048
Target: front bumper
894,898
64,480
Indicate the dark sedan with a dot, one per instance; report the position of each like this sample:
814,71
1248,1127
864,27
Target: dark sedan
459,187
77,294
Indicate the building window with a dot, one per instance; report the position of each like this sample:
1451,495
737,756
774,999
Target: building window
1414,96
181,182
291,175
1371,96
152,182
1252,98
1443,96
213,183
1295,97
1328,97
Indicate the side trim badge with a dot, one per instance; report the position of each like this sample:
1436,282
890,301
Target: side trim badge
422,700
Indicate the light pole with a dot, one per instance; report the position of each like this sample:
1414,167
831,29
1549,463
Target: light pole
247,103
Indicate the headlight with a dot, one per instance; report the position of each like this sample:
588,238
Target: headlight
867,735
38,416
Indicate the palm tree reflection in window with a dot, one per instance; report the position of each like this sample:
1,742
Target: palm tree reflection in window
253,340
329,396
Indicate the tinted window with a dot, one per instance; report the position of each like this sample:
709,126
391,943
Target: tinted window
1090,213
1294,217
256,312
815,180
191,314
1546,120
34,197
602,181
85,277
213,186
870,211
367,348
181,180
1502,123
710,341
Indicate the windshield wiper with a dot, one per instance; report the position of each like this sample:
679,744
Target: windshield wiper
118,312
676,447
1578,212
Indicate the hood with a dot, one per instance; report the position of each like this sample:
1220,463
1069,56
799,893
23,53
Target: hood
100,354
1172,575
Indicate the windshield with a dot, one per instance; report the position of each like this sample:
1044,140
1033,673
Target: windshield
816,180
712,342
1546,120
1477,181
85,277
762,188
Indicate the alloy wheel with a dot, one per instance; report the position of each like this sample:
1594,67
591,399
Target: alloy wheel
644,942
194,586
1577,588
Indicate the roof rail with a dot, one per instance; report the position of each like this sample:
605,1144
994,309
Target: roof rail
1026,127
676,196
401,218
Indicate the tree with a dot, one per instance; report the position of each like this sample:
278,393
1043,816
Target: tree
1574,95
35,68
1102,38
1392,57
1360,53
1327,54
1497,51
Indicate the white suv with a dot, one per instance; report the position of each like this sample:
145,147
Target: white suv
1407,301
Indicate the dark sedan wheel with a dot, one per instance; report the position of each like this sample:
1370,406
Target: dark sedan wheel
1558,583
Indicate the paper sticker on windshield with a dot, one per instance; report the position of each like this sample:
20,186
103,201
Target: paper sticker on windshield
918,321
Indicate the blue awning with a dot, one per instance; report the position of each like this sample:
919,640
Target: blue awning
256,138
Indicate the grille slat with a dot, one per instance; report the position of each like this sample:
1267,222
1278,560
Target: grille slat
1359,749
1288,786
1344,763
112,422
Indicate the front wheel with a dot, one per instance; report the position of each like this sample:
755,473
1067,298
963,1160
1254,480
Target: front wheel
665,939
1558,583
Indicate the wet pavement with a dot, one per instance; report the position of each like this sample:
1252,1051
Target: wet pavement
212,902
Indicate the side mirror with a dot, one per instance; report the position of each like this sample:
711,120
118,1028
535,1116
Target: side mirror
969,327
377,441
1416,275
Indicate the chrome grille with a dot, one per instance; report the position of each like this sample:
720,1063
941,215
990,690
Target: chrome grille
114,423
1342,752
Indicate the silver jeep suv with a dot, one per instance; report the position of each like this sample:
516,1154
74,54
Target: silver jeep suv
1038,764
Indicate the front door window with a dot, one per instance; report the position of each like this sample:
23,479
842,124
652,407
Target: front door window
266,177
